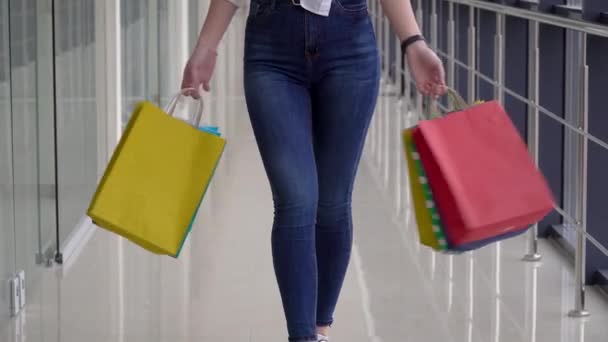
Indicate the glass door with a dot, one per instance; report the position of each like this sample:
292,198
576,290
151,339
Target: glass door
76,115
7,226
27,186
32,132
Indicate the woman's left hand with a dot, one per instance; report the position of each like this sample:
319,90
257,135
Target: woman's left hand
427,70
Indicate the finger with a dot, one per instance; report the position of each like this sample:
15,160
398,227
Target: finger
436,89
439,90
423,91
187,80
197,93
206,86
438,80
192,93
440,74
190,90
423,88
420,89
184,87
434,92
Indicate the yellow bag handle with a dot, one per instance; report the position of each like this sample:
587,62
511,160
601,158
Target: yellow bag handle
456,101
170,108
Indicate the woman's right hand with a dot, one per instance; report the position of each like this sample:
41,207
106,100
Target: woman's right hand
199,70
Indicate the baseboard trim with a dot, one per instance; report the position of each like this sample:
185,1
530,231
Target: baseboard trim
601,279
555,236
75,243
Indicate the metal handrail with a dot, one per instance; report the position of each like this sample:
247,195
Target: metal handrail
547,112
522,99
545,18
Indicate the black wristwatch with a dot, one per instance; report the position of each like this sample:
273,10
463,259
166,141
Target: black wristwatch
409,41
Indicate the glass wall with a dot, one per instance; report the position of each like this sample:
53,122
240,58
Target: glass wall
48,131
7,228
144,28
76,110
32,131
27,163
51,97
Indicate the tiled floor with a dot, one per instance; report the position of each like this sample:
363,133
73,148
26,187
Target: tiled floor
223,289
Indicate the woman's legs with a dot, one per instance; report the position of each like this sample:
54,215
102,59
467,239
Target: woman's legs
277,90
311,83
311,150
281,119
343,103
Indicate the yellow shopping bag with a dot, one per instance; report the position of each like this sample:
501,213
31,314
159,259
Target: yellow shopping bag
156,179
429,227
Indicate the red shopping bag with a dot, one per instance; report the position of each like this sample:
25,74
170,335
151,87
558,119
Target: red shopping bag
484,181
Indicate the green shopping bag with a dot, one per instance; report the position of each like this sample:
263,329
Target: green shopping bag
430,227
428,220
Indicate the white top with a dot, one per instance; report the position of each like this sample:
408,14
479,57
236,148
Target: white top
320,7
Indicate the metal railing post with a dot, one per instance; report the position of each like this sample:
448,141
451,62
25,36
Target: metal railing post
419,15
400,176
531,298
533,123
386,35
471,56
386,135
434,24
581,241
420,21
499,65
385,113
451,46
372,127
471,296
408,88
497,292
499,96
398,67
379,116
386,89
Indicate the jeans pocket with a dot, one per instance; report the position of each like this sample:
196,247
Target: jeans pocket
259,9
351,7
